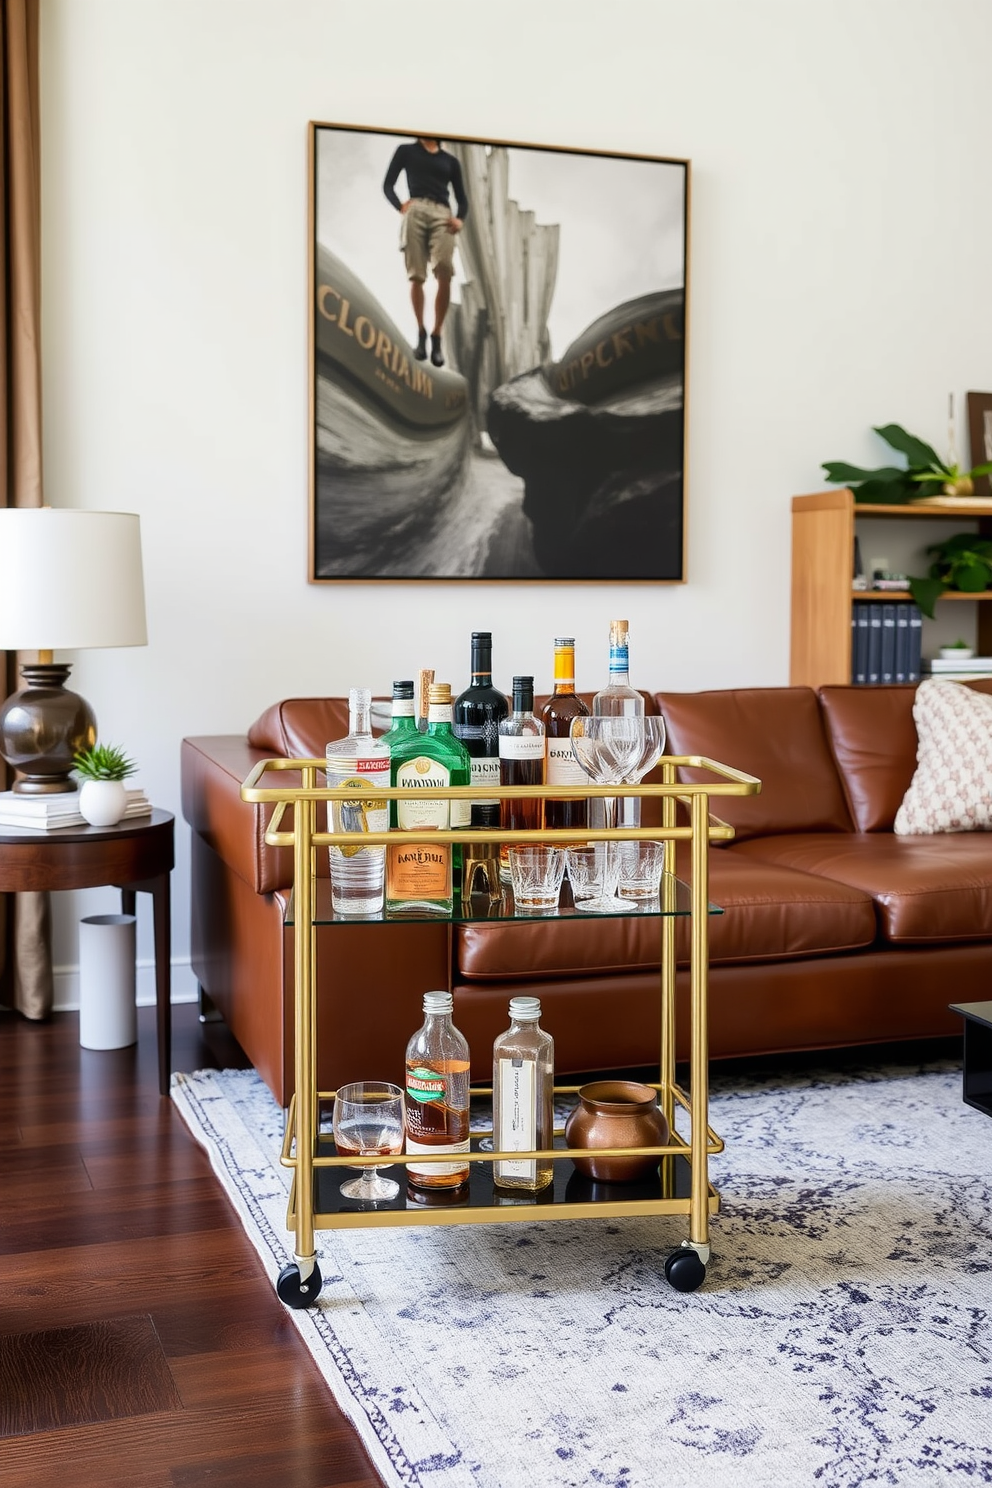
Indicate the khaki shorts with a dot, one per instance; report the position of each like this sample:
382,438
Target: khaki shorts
426,240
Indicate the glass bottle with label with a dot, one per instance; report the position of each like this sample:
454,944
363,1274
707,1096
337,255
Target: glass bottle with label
419,875
521,762
523,1098
404,726
360,763
437,1095
476,717
562,766
618,699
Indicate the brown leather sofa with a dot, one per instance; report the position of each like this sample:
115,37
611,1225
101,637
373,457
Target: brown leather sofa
834,932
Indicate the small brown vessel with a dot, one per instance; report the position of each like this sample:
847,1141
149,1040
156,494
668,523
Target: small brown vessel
617,1113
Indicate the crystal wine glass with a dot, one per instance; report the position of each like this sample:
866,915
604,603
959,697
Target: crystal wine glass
608,747
369,1121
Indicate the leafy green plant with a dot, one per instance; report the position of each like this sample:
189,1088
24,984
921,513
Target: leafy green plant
957,646
103,762
924,474
962,562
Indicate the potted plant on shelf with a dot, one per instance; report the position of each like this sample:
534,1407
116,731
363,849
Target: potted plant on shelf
103,797
924,476
962,562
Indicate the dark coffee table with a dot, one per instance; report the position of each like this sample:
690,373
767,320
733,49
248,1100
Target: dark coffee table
977,1090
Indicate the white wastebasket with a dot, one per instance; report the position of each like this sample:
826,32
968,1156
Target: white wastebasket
108,1017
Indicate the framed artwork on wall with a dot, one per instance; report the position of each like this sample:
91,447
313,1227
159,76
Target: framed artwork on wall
497,360
980,437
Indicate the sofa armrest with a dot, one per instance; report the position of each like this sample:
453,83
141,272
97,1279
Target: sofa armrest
212,769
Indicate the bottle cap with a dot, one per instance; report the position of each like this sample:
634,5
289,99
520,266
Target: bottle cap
438,1002
564,641
523,693
359,697
525,1009
439,693
481,635
618,632
402,689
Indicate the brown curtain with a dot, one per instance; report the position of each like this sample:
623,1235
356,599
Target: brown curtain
25,955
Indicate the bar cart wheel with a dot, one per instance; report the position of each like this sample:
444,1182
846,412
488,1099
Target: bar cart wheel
296,1293
684,1269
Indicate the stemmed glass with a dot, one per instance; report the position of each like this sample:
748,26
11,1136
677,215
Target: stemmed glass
369,1121
617,749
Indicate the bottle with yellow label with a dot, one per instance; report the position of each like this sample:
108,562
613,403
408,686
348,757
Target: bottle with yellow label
419,874
358,763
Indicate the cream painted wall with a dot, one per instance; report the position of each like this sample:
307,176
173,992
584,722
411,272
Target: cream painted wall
840,277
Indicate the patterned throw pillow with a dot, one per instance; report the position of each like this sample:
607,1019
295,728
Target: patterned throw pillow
952,788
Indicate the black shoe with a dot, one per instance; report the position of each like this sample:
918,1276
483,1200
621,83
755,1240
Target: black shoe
437,356
420,350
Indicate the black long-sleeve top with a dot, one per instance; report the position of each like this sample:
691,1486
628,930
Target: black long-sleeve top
429,173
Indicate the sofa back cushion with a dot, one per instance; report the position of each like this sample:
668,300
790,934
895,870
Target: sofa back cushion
775,733
873,738
300,728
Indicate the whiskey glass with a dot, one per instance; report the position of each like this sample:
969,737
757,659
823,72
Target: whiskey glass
369,1122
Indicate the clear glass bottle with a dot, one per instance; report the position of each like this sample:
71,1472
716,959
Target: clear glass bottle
618,699
361,763
437,1095
475,719
521,762
523,1098
562,767
419,876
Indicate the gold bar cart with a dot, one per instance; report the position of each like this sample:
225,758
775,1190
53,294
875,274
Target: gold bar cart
681,1185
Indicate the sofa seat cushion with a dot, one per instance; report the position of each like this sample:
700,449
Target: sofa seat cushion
925,889
771,913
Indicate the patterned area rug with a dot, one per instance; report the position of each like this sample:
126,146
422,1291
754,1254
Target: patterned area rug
842,1337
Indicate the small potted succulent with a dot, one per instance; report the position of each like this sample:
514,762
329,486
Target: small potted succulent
103,797
956,651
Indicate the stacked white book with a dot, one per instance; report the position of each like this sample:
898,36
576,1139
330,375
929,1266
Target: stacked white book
49,813
960,669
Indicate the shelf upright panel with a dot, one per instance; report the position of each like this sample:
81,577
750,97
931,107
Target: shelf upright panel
822,570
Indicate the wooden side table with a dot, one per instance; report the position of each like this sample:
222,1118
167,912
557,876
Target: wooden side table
136,856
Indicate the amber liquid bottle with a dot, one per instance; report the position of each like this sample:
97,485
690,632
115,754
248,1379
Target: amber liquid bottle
562,766
521,762
437,1096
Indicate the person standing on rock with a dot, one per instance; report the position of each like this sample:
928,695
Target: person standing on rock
429,228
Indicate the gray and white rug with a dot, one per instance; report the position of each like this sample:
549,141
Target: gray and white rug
842,1337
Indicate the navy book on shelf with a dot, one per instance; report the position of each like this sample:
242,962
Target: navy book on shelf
915,643
888,660
874,667
859,622
902,642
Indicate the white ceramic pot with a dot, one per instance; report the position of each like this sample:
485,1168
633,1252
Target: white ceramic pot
103,802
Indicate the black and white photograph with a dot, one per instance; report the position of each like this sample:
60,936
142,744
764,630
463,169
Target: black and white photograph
498,360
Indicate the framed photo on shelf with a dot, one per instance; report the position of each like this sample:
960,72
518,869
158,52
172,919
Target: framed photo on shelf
980,437
497,360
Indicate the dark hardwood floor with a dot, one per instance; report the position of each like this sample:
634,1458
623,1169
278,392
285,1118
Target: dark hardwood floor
141,1343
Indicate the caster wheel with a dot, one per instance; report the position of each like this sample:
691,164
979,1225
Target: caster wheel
294,1292
684,1270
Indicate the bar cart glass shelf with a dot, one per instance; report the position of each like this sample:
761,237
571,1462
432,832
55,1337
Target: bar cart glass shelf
681,1184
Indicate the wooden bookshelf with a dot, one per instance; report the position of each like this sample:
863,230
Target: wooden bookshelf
823,531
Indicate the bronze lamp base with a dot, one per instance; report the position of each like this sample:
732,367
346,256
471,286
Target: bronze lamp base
42,727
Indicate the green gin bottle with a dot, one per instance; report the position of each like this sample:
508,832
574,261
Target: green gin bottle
420,876
404,727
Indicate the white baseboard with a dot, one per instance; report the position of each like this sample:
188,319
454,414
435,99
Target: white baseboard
184,988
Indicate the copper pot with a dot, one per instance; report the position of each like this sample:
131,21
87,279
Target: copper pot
617,1113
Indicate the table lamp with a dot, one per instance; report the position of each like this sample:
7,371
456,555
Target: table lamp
68,580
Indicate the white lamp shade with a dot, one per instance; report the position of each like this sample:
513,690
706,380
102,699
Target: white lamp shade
70,579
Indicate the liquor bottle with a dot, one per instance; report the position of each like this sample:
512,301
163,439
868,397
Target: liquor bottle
437,1098
523,1097
359,762
419,875
521,762
618,699
476,717
404,727
562,766
424,679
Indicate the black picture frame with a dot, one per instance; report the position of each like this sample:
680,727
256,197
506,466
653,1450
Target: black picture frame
550,445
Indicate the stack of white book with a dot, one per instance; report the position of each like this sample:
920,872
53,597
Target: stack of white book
961,669
49,813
